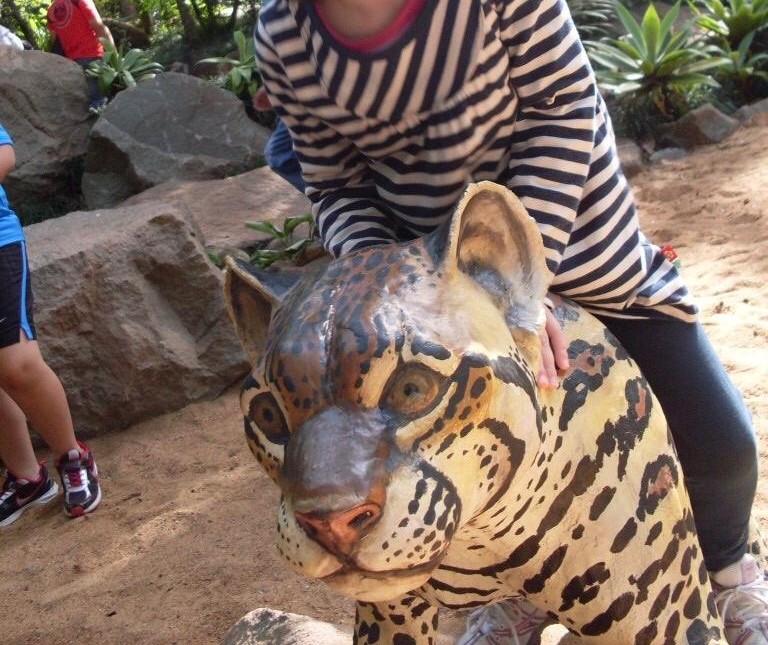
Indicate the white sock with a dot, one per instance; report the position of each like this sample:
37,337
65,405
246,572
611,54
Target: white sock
739,573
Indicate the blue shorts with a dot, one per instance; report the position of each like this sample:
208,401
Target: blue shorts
15,294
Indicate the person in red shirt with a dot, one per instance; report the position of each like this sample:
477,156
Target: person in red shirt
77,26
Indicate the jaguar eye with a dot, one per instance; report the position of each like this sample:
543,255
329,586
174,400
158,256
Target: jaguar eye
412,390
268,417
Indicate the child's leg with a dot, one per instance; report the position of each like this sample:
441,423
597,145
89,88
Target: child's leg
32,384
711,426
15,446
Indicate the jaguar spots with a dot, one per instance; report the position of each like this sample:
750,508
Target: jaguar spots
393,401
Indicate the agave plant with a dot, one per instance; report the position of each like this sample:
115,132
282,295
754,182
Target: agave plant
654,61
594,19
118,69
731,21
745,69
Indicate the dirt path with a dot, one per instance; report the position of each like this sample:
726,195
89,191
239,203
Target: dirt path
182,546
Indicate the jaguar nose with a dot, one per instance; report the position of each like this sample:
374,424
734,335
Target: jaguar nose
339,531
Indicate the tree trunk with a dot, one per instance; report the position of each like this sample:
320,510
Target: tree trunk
145,19
23,23
187,23
233,17
127,10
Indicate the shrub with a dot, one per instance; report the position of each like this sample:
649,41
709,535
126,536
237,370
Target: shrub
653,70
731,21
594,19
119,70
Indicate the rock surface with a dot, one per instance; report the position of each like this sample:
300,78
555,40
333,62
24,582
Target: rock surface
171,127
43,105
271,627
220,207
130,314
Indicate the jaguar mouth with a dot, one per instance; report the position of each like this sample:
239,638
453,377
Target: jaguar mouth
377,586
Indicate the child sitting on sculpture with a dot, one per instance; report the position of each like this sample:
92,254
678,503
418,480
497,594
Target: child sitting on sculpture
394,106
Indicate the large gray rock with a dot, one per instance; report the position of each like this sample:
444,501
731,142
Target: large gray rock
130,314
221,207
43,105
173,126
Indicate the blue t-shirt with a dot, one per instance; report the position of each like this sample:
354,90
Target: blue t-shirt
10,227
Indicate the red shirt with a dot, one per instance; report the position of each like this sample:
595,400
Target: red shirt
69,20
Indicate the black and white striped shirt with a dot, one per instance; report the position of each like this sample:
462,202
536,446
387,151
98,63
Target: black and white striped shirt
472,90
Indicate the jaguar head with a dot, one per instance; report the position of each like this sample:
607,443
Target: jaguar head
392,397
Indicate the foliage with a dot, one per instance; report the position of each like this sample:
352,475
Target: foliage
594,19
653,62
242,77
284,245
119,70
731,21
744,76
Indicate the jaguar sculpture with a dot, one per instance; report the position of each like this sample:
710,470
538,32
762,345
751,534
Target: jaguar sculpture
393,401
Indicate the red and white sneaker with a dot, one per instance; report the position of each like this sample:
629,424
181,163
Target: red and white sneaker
80,479
20,494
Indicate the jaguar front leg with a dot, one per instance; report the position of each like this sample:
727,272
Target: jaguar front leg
408,620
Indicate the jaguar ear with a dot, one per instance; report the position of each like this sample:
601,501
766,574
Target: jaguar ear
492,239
251,295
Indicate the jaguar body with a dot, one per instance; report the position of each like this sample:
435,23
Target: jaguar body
393,401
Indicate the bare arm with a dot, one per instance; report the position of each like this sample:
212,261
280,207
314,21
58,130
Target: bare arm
7,160
98,26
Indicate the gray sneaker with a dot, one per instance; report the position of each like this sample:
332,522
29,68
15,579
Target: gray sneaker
744,608
510,622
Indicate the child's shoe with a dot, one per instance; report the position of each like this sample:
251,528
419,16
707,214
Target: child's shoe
743,604
514,621
19,494
80,480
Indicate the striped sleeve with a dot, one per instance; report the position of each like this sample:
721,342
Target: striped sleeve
343,194
551,147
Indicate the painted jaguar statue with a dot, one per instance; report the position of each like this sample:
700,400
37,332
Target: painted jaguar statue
393,401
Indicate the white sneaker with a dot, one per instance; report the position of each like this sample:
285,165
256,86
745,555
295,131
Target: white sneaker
510,622
743,606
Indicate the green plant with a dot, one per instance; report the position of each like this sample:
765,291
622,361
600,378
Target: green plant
745,69
242,77
653,61
118,69
731,21
594,19
284,245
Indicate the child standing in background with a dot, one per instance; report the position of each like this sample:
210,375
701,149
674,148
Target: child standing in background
29,389
395,106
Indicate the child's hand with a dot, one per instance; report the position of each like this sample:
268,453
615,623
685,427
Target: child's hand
554,352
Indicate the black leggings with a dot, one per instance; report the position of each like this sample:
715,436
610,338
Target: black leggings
711,426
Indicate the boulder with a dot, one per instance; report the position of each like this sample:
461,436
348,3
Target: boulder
702,126
753,115
631,157
44,107
271,627
173,126
220,207
130,314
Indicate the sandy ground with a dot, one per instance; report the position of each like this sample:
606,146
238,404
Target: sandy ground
182,545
